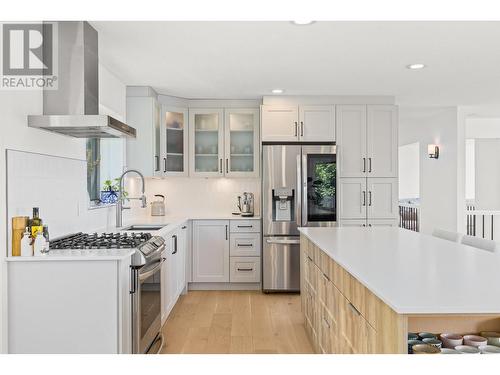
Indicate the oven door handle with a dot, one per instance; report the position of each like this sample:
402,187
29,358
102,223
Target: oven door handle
145,275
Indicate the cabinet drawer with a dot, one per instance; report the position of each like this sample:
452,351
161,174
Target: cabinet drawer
357,336
361,298
245,226
245,269
245,244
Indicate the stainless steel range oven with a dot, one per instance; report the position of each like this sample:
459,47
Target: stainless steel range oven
146,297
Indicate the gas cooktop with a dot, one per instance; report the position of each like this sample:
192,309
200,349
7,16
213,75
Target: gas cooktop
100,241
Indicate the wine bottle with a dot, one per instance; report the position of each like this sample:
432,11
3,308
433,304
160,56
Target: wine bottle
36,223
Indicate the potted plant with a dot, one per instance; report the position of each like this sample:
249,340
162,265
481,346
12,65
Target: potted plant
109,192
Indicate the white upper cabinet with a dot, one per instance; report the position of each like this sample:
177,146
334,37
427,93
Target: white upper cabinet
241,136
174,136
143,152
382,141
206,142
317,123
314,123
367,140
382,198
353,198
279,123
351,140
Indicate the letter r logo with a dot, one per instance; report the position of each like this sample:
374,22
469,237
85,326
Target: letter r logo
27,49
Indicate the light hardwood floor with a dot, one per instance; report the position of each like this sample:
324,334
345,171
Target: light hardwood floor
236,322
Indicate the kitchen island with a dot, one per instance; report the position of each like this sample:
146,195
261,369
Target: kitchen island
364,289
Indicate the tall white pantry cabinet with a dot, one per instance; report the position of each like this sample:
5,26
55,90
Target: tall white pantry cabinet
367,164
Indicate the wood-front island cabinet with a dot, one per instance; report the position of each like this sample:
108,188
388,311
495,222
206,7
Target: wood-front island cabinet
343,316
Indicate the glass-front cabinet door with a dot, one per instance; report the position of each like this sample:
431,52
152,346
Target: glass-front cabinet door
206,142
241,157
175,141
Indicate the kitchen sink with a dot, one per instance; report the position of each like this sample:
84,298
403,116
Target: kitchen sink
143,227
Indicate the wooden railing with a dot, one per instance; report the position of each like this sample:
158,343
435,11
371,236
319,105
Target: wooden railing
409,216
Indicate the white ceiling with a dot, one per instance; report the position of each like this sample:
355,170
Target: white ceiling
248,59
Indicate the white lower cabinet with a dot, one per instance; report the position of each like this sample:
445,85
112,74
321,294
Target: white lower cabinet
245,244
211,251
226,251
245,269
173,273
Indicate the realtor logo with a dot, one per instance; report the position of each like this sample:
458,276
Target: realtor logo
28,55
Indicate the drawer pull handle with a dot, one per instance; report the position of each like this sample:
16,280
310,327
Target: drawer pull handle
245,226
353,309
326,277
244,245
326,323
310,259
245,269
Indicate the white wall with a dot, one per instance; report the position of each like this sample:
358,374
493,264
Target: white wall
409,170
15,134
438,178
470,170
487,174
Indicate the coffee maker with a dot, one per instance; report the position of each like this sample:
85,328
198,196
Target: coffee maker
245,204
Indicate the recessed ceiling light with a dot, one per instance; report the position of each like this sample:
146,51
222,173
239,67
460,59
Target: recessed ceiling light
277,91
416,66
302,22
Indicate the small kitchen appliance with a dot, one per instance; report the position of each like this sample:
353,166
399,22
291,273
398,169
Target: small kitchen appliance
245,204
158,206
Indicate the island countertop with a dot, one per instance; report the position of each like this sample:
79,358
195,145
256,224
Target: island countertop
415,273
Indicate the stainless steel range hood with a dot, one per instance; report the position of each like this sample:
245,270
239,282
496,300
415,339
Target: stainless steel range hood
73,108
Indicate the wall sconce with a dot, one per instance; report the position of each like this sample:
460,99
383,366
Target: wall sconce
433,151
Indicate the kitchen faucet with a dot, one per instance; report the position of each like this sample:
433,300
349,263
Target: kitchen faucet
121,198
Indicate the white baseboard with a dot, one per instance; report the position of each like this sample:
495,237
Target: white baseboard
224,286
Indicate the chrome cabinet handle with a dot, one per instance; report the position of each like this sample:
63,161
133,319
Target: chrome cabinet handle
133,280
369,198
165,165
302,128
326,277
226,232
227,165
244,245
175,244
296,128
364,198
245,269
220,166
245,226
369,165
310,259
364,165
353,309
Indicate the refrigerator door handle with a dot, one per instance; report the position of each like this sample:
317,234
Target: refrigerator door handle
298,198
284,242
304,190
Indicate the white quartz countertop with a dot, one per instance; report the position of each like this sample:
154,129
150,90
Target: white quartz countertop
415,273
170,223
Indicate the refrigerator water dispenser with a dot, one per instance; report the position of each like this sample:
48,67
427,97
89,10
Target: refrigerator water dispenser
283,204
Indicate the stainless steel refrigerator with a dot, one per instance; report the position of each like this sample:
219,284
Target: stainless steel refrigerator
298,190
